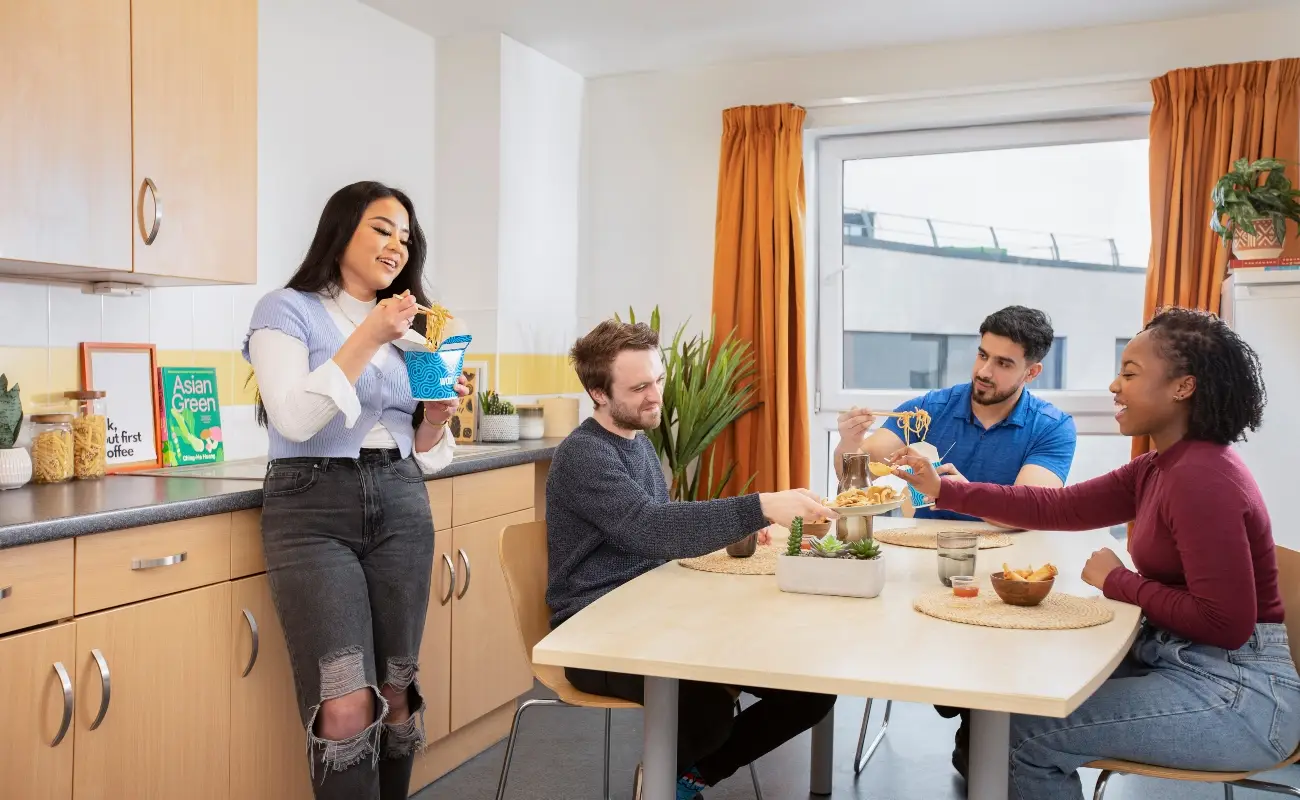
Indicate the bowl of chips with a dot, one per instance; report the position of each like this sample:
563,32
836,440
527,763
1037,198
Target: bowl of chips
1024,587
867,502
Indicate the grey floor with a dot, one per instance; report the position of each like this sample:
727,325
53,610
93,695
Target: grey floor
558,757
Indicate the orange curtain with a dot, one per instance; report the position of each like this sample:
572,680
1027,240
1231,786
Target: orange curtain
758,290
1204,119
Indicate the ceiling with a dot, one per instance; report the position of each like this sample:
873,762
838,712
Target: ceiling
603,37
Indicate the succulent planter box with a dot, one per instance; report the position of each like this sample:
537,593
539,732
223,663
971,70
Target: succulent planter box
830,567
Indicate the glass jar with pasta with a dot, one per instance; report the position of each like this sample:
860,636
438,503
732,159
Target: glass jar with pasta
89,432
51,448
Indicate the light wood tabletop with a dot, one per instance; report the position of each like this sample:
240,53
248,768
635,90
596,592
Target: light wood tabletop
680,624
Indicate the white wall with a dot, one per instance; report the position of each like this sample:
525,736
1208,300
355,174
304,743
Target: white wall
652,140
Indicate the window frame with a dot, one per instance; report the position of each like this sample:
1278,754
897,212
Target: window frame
1093,409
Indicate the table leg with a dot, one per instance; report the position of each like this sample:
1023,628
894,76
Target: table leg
990,755
660,756
823,755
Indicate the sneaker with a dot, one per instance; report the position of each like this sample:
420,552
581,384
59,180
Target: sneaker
690,785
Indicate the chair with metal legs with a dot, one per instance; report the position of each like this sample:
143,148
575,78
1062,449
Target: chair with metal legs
860,760
1288,581
522,550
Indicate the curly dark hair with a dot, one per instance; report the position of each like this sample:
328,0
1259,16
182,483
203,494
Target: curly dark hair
1027,327
1229,397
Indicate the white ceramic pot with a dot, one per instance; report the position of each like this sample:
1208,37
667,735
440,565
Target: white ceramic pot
498,428
15,468
843,577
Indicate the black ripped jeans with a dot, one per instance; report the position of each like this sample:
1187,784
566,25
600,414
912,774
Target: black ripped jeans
349,555
710,736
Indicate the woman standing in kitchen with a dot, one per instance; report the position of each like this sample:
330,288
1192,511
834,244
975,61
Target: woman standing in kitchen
346,524
1209,683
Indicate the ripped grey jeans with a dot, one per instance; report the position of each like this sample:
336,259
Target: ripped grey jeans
349,555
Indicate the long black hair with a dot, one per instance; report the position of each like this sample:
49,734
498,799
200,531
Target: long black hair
321,270
1229,398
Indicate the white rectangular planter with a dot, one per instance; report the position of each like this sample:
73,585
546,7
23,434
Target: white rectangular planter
844,577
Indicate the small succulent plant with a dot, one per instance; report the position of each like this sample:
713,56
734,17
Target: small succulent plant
492,405
794,545
864,549
827,547
11,413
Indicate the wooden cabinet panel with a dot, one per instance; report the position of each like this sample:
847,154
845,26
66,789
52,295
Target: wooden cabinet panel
488,665
36,584
31,696
435,647
246,557
267,737
125,566
194,114
65,121
165,731
440,498
484,495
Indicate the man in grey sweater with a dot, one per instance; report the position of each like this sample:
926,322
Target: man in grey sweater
609,520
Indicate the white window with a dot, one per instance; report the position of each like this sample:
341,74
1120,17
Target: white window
921,235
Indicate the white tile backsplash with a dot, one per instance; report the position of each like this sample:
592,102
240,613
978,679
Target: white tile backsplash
126,319
75,317
245,300
212,317
171,318
24,315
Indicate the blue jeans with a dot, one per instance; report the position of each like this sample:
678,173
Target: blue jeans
1170,703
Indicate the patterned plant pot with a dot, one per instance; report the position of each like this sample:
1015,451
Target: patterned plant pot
499,428
1263,243
15,468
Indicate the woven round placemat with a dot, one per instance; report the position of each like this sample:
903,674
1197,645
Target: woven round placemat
763,562
928,539
1057,612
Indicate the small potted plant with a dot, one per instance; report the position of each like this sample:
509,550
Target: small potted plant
500,423
15,461
830,566
1251,215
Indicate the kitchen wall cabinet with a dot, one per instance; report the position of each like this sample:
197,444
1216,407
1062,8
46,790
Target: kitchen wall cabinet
132,132
190,712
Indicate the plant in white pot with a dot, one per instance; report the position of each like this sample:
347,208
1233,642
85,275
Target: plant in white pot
830,566
499,421
1251,215
15,462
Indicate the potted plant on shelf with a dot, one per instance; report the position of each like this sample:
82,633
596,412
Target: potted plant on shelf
500,423
15,461
1251,215
707,386
830,566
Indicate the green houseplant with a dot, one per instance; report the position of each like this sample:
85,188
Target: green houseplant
1251,215
829,566
708,386
15,461
500,422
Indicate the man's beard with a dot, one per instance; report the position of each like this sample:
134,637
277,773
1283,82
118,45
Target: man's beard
632,419
992,396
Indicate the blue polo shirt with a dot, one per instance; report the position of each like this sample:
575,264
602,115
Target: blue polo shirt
1036,432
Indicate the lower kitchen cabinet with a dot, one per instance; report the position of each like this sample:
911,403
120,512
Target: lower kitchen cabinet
35,759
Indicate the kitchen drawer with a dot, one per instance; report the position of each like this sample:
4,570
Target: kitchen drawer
494,493
36,581
246,557
131,565
440,498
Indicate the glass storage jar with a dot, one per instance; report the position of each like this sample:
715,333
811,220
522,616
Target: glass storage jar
51,448
89,432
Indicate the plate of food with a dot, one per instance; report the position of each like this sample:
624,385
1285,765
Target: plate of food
868,502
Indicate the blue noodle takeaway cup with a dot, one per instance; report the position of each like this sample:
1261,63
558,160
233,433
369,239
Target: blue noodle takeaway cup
433,374
918,500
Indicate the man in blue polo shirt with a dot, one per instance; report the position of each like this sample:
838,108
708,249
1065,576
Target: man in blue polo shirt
991,430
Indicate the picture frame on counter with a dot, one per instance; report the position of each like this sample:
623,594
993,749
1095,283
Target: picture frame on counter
465,424
128,374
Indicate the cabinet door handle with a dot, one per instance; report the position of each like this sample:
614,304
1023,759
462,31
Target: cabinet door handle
165,561
464,559
157,210
105,688
252,628
67,703
5,591
451,580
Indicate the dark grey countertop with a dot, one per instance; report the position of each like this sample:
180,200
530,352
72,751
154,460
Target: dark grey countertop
33,514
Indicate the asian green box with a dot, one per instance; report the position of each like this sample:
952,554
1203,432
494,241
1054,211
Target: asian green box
191,416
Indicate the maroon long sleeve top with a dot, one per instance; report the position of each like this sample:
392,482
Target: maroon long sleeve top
1201,538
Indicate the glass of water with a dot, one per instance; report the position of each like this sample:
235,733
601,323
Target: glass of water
957,551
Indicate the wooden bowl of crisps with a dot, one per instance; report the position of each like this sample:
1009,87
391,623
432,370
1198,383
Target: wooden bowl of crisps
1026,587
817,529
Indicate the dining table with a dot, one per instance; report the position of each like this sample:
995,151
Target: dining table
744,631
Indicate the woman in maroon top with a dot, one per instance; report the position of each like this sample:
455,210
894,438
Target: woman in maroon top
1209,683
